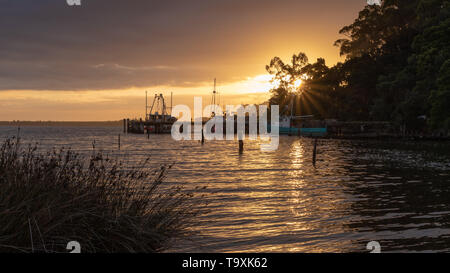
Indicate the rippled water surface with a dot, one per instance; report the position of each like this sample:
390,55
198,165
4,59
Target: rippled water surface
397,193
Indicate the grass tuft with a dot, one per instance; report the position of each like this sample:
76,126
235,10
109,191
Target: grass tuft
49,199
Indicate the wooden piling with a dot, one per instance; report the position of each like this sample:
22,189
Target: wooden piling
119,142
241,146
203,138
315,152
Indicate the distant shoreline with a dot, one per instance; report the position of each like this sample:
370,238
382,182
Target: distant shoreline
61,123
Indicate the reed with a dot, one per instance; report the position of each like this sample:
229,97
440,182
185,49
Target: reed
49,199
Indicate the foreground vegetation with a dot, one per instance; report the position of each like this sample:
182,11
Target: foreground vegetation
397,69
48,200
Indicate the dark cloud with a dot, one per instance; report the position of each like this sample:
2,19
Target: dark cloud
108,44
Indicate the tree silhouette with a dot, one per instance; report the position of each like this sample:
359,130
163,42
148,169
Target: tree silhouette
396,69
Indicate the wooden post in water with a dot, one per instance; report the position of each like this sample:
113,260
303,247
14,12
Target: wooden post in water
315,152
124,126
119,142
203,138
241,146
18,135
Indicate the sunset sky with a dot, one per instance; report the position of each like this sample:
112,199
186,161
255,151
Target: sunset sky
94,62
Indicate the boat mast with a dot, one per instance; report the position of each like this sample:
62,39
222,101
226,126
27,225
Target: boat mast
292,105
214,98
292,114
146,105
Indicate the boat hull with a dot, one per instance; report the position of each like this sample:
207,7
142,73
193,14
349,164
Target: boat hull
308,132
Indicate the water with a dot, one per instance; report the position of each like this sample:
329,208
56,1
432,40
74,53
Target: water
397,193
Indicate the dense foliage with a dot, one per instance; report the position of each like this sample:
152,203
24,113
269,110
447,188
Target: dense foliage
397,69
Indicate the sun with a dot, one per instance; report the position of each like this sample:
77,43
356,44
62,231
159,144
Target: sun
298,83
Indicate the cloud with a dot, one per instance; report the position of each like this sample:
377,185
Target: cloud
115,44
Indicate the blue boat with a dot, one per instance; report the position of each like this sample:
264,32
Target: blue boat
287,128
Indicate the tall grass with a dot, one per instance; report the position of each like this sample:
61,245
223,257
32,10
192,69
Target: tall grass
49,199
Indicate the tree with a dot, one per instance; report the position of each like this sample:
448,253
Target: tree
286,77
396,68
440,99
431,60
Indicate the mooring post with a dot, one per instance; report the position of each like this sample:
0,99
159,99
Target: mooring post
241,146
119,142
315,152
203,138
124,126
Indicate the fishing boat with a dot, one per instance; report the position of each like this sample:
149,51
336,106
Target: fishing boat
301,125
157,120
